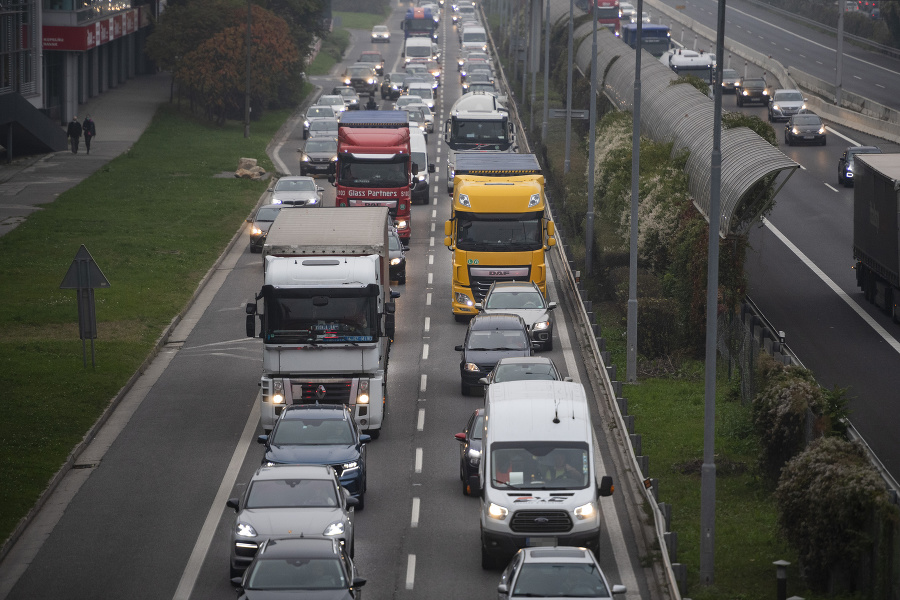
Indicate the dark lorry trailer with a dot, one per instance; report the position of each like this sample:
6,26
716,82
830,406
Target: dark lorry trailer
876,231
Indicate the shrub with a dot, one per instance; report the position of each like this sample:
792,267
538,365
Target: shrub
828,498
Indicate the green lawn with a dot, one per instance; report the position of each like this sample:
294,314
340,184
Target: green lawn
155,220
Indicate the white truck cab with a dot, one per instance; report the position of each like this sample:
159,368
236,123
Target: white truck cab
537,477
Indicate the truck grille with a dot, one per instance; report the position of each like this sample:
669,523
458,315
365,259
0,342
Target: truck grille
540,521
323,391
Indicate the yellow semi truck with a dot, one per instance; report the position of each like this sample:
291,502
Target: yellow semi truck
498,229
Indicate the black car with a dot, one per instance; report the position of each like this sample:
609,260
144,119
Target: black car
374,58
751,89
320,434
361,77
260,224
391,85
845,162
313,567
529,368
470,448
488,339
397,251
318,156
805,128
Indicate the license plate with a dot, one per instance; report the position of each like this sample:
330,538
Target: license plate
540,541
809,137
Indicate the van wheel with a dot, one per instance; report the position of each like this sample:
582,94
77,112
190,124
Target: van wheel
548,345
488,562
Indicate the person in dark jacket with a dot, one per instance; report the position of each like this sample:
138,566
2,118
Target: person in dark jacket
74,133
90,130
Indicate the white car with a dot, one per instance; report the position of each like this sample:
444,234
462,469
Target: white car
407,99
425,90
627,11
428,115
555,572
335,101
380,33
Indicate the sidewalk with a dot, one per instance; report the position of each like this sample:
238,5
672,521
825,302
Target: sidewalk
121,115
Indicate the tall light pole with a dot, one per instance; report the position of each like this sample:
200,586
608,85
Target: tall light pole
838,84
589,221
546,74
708,470
247,82
632,312
569,86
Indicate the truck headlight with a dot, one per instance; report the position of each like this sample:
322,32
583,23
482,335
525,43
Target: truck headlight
464,200
401,224
495,511
461,298
336,528
362,396
470,367
278,388
585,511
534,200
245,530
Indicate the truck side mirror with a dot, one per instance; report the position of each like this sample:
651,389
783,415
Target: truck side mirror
250,309
415,169
606,486
448,228
551,228
389,319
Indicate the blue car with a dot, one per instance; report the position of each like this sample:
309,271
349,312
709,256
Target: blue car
320,434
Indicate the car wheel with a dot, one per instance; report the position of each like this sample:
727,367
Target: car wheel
401,279
739,101
548,345
842,181
305,134
464,389
824,141
234,572
374,433
362,502
770,118
255,250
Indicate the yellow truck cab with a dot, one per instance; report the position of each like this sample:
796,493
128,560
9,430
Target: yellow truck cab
498,228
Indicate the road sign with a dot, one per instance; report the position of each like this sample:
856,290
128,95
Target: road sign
83,276
560,113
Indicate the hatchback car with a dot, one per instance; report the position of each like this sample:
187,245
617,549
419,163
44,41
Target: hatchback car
260,224
380,33
805,128
351,98
475,77
397,250
374,58
318,156
528,368
325,128
335,101
751,89
296,190
488,339
318,112
784,104
470,447
555,572
522,298
320,434
405,100
300,568
300,500
416,119
846,162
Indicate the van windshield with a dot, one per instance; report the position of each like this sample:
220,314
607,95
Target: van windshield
540,465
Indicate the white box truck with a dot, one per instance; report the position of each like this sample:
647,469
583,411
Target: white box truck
327,314
537,477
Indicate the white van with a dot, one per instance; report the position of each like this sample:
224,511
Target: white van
536,479
419,49
424,91
474,38
419,153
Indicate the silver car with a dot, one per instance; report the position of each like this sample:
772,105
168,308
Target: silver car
295,500
784,104
522,298
317,112
296,191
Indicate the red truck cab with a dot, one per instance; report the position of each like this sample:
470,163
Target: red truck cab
373,164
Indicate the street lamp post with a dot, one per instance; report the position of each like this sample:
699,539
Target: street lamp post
247,69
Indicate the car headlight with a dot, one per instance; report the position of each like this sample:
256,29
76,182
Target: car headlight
269,463
245,530
745,92
350,466
795,131
255,230
421,177
585,511
395,261
334,158
362,395
336,528
276,201
803,107
371,81
776,107
540,326
821,130
306,123
474,457
470,367
347,81
463,73
313,201
765,92
305,158
495,511
461,298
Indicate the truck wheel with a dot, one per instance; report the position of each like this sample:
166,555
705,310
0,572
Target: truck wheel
842,181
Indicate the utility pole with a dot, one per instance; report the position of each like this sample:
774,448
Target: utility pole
569,86
838,84
589,222
632,312
247,69
546,74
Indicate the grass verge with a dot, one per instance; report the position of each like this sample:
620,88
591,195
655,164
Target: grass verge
154,220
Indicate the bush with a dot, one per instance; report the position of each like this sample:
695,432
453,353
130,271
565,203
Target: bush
828,498
788,397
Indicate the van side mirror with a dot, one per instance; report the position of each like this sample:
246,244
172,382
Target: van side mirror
431,168
552,305
233,503
606,486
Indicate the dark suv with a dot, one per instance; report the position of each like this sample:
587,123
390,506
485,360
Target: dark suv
845,162
751,89
488,339
320,434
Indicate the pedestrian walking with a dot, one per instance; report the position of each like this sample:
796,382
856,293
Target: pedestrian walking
90,130
74,132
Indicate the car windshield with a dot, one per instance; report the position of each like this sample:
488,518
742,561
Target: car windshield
760,83
524,371
290,493
331,100
517,300
320,111
380,29
312,432
415,115
394,242
324,126
807,120
788,97
498,339
322,146
297,574
347,92
568,580
422,91
267,213
479,77
729,74
295,185
370,58
405,100
360,72
541,465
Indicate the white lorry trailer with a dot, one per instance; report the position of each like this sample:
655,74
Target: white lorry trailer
478,123
327,317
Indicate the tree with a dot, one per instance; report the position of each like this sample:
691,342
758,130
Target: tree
214,73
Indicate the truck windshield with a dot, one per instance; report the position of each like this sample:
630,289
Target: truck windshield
499,233
310,320
606,12
540,465
704,72
373,173
479,135
419,25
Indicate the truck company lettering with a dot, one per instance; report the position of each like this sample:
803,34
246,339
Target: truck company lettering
372,193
